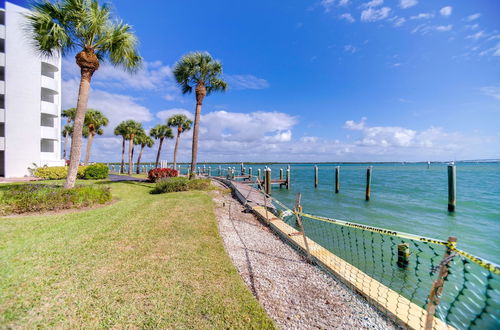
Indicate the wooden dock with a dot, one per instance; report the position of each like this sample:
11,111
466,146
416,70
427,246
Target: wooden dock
399,308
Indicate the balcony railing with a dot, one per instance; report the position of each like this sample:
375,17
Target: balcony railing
49,108
49,133
50,83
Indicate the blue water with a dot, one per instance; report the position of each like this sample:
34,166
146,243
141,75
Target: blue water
404,197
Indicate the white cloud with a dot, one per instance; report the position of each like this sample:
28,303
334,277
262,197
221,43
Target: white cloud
327,4
443,28
344,3
476,36
407,3
165,114
350,49
446,11
372,3
492,91
117,107
246,81
398,21
472,26
348,17
473,17
423,16
152,76
372,15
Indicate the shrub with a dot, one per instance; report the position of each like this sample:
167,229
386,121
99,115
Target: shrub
180,184
51,173
161,173
56,172
96,171
42,197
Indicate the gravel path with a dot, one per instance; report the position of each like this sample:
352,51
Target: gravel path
294,293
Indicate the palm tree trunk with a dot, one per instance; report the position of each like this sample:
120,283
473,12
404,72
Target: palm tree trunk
65,145
122,167
76,141
89,145
138,171
196,130
176,146
159,151
130,149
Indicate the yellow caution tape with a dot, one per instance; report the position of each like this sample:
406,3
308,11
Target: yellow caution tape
492,267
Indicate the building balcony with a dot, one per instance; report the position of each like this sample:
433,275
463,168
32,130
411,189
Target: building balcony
49,156
49,133
51,62
2,31
2,115
2,59
2,87
50,84
49,108
2,143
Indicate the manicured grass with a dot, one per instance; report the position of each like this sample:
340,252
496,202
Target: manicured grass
148,261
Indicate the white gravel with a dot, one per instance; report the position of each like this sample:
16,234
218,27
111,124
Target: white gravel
295,294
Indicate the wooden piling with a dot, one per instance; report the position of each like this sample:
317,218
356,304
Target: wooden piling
259,174
268,181
288,178
281,174
210,171
229,172
452,188
403,255
220,170
315,176
242,169
437,286
368,183
250,171
337,179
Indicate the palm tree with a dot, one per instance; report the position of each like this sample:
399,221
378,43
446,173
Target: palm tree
183,124
70,114
85,26
144,141
120,130
160,132
131,128
200,71
94,121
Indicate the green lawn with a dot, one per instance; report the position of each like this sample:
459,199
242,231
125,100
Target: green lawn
148,261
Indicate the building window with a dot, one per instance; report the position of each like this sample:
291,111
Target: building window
47,145
2,129
47,70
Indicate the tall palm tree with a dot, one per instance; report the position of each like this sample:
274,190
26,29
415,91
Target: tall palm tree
94,122
144,141
70,114
198,71
160,132
183,124
87,27
120,131
132,128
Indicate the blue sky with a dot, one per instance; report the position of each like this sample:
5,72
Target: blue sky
326,80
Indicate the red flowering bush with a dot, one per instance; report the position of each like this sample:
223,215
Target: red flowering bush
157,174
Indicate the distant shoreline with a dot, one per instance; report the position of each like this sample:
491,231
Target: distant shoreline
322,163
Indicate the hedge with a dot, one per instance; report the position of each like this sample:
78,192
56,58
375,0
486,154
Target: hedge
157,174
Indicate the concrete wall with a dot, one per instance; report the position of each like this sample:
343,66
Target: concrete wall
23,92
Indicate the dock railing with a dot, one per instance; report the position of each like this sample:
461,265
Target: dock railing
420,282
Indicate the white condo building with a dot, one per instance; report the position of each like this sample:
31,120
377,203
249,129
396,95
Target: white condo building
30,99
